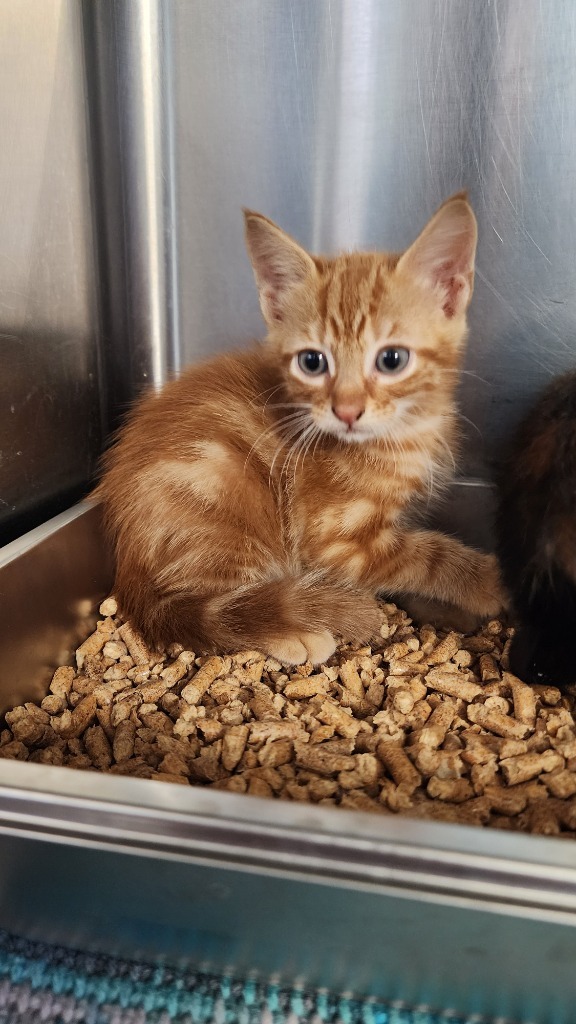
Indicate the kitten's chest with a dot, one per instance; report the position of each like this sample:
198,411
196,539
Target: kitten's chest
349,500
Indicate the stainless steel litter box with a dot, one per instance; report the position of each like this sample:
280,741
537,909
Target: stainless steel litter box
448,916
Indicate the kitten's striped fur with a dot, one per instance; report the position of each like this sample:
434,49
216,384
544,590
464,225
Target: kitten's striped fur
252,504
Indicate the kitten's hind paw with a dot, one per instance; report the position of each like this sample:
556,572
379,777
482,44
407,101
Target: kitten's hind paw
290,651
310,646
320,646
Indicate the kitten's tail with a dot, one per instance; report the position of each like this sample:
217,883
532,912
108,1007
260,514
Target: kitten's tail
278,617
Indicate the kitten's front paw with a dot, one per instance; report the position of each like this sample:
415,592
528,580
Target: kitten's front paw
488,597
295,650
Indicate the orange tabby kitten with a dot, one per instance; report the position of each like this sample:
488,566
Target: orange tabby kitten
263,498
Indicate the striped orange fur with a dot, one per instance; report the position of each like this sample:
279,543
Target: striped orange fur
264,497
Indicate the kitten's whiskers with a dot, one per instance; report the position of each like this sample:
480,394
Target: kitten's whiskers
305,441
275,387
290,432
470,423
295,450
279,425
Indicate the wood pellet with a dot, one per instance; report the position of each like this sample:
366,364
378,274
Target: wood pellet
426,723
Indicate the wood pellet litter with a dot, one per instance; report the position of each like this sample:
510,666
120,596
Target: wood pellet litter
424,723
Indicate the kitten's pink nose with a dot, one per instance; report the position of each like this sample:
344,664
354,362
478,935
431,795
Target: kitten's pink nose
348,413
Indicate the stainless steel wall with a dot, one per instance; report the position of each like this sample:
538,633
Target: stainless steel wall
347,121
50,415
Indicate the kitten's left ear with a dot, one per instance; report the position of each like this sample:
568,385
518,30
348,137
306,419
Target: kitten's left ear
280,265
442,257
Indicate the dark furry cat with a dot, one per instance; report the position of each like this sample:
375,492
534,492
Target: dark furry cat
537,536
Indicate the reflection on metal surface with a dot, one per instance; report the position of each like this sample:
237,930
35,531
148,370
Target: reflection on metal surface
50,581
411,858
273,924
128,55
348,121
50,420
197,875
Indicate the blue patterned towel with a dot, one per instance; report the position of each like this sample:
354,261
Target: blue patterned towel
41,984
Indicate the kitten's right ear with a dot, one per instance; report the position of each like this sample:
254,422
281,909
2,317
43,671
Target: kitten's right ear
280,265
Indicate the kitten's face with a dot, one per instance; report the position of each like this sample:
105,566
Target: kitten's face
369,343
373,359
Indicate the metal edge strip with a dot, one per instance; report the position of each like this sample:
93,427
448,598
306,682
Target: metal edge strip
333,859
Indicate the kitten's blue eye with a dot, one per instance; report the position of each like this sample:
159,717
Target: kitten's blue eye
392,360
312,362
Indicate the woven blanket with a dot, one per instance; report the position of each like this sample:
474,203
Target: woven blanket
41,984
